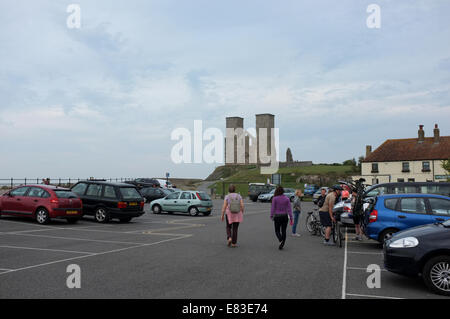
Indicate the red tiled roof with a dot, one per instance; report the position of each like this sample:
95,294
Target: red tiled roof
410,150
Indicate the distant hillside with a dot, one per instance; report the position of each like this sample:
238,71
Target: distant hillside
293,177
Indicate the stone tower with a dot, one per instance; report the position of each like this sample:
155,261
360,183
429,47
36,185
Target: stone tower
236,123
289,158
266,121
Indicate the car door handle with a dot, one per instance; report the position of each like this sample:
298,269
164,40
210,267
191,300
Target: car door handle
189,201
401,216
35,200
18,199
174,201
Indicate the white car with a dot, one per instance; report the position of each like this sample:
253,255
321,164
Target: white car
164,183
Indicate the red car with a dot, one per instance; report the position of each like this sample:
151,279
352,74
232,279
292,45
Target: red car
42,202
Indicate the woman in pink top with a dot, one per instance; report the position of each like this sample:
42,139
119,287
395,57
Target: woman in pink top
233,217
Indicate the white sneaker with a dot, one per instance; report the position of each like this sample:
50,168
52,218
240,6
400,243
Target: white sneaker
296,235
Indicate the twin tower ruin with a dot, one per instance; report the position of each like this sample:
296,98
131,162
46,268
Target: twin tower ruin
253,146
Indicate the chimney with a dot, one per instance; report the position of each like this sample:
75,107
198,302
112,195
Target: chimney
368,150
436,134
421,138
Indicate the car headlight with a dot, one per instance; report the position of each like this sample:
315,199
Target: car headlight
407,242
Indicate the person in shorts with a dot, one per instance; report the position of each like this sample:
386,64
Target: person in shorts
326,212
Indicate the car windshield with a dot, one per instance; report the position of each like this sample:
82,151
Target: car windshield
129,193
65,194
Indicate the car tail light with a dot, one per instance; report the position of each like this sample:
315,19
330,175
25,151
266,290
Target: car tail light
54,201
142,204
373,216
198,195
347,209
122,205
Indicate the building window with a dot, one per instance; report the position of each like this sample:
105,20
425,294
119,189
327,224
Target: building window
400,180
405,167
426,167
411,180
374,167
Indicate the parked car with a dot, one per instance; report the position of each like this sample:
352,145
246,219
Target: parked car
42,203
191,202
152,193
392,213
256,189
267,197
316,195
422,250
290,193
144,182
164,183
107,200
310,189
437,188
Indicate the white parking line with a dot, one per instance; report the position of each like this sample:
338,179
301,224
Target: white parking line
92,255
344,276
56,250
83,239
373,296
364,253
360,268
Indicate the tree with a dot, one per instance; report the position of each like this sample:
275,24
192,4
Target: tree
350,162
446,166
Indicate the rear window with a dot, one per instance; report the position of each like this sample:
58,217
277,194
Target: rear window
390,203
65,194
204,196
129,193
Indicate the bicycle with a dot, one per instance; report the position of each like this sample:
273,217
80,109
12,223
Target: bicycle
336,232
313,224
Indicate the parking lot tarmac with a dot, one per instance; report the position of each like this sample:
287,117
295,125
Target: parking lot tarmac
179,256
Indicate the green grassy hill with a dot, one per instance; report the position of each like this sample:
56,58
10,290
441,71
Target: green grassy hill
293,177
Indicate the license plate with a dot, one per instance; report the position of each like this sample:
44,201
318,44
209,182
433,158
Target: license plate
133,204
71,212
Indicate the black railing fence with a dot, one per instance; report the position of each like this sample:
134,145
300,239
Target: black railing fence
66,182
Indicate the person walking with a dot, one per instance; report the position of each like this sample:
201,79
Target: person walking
297,210
281,213
326,212
233,206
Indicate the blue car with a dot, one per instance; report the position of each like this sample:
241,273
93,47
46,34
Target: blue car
392,213
310,190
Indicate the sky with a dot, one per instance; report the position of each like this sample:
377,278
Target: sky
102,100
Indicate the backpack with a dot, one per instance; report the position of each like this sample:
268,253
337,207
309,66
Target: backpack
321,201
234,204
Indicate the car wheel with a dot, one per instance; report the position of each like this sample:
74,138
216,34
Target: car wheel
156,209
193,211
125,220
436,275
386,234
42,216
72,220
101,215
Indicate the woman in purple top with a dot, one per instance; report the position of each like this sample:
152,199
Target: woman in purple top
233,206
281,209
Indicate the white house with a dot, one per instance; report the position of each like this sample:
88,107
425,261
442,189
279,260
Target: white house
407,160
